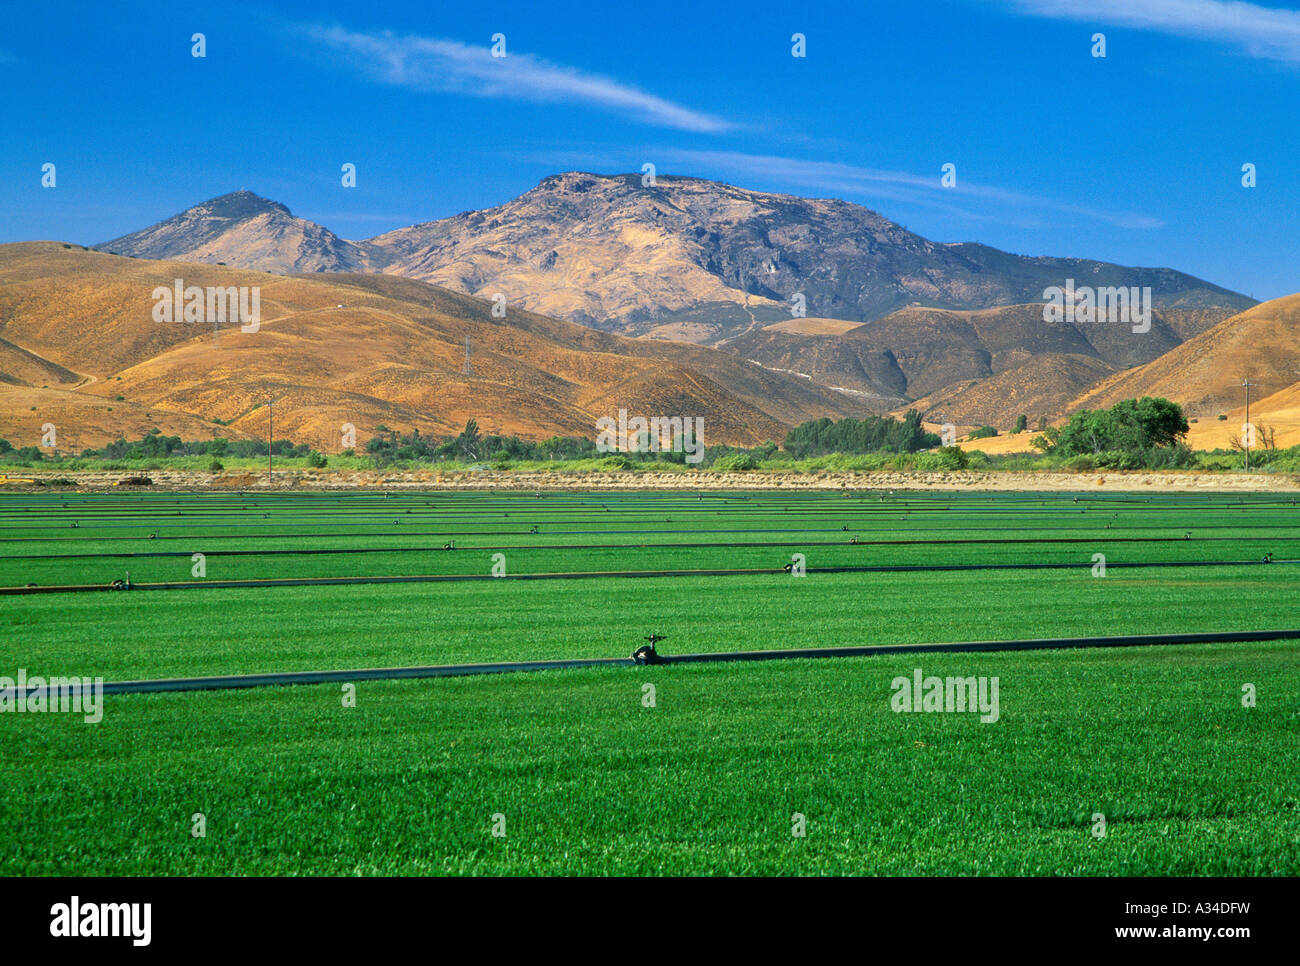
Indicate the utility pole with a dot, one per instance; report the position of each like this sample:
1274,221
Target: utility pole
1246,383
270,439
468,369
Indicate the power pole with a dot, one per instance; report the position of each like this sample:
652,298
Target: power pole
468,369
270,437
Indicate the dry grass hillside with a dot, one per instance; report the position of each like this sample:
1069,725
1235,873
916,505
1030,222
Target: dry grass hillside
335,349
1204,374
83,421
785,398
979,366
19,367
1042,386
1278,414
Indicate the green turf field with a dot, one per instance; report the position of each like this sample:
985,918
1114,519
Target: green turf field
587,778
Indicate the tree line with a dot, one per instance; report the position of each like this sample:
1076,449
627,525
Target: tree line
1134,433
871,434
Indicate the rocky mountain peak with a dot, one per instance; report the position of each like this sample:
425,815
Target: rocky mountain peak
238,206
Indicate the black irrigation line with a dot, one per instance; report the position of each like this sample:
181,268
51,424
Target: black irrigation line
726,545
1026,514
286,678
419,533
599,574
340,524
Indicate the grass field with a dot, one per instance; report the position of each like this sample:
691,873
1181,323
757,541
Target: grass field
587,777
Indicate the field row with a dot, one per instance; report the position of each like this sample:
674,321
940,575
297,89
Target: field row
176,634
576,773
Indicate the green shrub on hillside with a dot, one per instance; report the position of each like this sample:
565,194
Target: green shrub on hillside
736,463
944,458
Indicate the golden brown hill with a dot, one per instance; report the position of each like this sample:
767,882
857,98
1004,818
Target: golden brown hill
807,326
1204,374
979,366
826,352
1278,415
785,398
915,351
338,349
92,313
83,421
18,367
1041,387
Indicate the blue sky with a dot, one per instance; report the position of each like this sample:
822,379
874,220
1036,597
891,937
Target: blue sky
1134,158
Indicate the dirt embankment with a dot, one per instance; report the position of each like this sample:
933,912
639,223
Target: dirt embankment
1100,482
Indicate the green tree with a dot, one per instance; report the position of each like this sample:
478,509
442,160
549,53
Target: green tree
1131,426
468,441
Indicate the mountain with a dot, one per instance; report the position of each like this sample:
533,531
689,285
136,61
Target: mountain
79,347
891,319
704,261
244,230
686,258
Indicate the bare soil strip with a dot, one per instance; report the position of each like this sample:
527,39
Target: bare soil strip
1094,482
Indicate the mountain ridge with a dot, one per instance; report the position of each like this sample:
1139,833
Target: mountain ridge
604,251
690,260
245,229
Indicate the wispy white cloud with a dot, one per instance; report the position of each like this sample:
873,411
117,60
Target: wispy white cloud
852,180
430,63
1265,32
